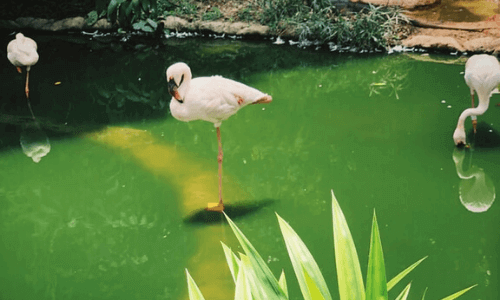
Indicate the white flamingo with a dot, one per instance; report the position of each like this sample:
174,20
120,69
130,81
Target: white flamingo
482,74
21,52
212,99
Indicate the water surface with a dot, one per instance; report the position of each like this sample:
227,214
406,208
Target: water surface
104,214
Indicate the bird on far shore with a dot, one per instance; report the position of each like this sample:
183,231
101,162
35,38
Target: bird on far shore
21,52
482,75
212,99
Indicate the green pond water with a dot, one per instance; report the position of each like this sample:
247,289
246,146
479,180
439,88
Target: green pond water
108,212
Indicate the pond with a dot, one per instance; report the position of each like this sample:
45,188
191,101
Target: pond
107,213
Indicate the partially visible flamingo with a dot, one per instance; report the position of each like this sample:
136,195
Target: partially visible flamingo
21,52
212,99
482,74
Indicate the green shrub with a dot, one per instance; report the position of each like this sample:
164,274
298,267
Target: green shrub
125,12
246,14
182,8
254,279
213,14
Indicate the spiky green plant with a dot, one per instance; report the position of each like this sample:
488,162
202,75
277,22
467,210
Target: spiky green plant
254,279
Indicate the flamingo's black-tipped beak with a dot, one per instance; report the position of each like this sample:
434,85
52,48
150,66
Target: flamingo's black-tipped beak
172,87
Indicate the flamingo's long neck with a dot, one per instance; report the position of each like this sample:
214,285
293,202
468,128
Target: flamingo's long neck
484,102
184,87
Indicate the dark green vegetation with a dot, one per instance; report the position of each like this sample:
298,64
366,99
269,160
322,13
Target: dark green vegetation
370,28
366,28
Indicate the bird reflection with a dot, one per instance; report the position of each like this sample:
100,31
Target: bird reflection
34,141
22,52
476,189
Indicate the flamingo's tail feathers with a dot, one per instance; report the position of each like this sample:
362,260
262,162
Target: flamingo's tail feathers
264,99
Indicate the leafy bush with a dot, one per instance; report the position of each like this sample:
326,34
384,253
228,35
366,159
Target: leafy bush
125,12
213,14
245,14
254,279
182,8
319,19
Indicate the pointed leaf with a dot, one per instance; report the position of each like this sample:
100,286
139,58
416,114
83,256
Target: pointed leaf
425,292
282,283
194,291
459,293
232,261
376,284
303,262
404,294
401,275
349,276
268,284
243,291
314,292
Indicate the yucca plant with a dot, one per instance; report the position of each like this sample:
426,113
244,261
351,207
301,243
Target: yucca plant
254,279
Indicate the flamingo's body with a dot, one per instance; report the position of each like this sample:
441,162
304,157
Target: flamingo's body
482,75
21,52
212,99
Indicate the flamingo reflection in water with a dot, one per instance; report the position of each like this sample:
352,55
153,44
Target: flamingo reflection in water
22,52
476,189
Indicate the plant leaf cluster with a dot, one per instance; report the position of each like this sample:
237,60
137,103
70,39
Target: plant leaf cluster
371,28
254,279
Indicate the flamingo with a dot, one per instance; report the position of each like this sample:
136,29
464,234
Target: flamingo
212,99
482,74
22,52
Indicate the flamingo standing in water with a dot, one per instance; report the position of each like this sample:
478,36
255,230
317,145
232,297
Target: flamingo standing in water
21,52
212,99
482,74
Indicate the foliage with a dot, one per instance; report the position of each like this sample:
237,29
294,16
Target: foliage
369,29
213,14
245,14
91,18
182,8
125,12
147,25
254,279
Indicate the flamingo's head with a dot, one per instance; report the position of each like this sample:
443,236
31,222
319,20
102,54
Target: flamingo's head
177,76
459,137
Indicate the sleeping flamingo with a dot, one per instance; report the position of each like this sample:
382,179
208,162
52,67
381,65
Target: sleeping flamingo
482,74
212,99
22,52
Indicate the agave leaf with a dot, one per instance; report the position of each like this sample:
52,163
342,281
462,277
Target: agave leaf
243,291
232,261
194,291
282,283
376,284
314,292
404,294
401,275
303,263
459,293
267,287
348,270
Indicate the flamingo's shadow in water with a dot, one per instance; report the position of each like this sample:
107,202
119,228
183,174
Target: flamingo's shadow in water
485,137
234,211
